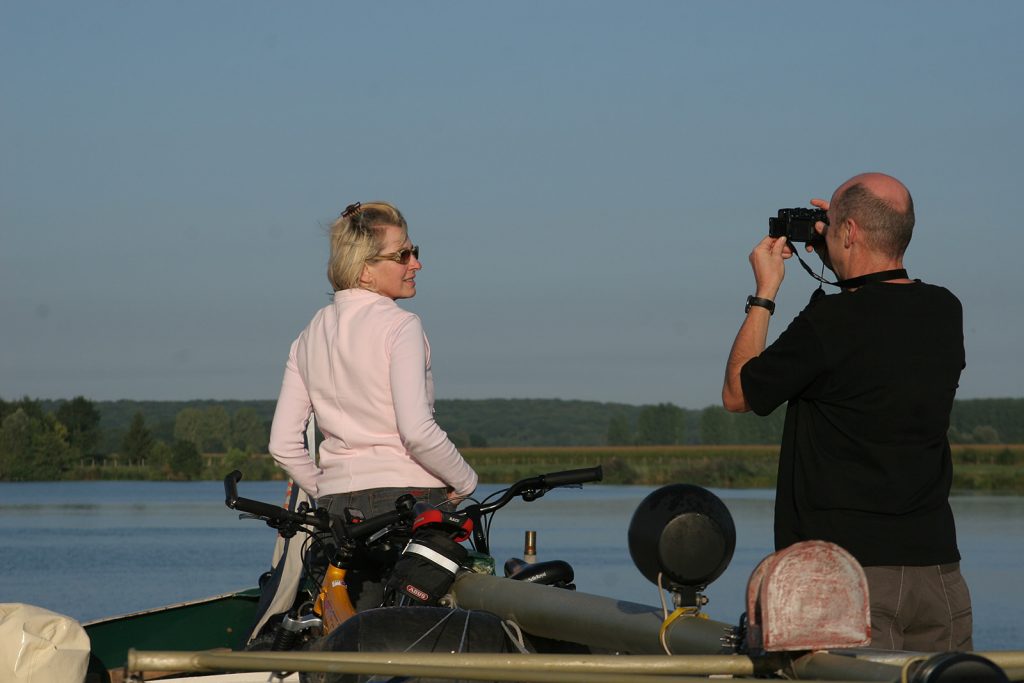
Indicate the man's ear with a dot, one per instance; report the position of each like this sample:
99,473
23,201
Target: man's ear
852,232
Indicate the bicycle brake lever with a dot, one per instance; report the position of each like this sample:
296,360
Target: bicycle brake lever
285,529
378,535
531,495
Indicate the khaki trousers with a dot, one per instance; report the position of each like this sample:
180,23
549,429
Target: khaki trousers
922,609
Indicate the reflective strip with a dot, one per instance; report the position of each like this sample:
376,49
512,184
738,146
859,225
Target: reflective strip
434,556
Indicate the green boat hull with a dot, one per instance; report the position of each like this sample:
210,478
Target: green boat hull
221,621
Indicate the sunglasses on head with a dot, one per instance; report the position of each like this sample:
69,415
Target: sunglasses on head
401,256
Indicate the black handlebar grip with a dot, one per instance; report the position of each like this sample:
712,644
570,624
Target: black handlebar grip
581,476
231,488
253,507
266,510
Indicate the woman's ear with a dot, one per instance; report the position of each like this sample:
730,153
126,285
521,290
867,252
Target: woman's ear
366,278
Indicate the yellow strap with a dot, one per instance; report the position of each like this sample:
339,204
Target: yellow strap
676,614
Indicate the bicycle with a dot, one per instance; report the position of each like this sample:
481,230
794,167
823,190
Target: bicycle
324,603
423,572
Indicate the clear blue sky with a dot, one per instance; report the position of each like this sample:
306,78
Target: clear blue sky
586,180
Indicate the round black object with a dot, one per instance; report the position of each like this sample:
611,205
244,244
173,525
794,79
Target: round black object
958,667
685,532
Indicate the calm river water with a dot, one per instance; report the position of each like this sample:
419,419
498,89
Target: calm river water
96,549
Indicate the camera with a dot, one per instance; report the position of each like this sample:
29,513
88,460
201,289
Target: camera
797,225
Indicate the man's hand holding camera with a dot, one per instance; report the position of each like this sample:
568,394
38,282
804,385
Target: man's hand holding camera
768,261
819,246
789,227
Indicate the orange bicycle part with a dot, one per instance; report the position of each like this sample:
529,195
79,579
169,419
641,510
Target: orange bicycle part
333,604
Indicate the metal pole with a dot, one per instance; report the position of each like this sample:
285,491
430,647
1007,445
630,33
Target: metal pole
494,667
1012,663
827,666
822,667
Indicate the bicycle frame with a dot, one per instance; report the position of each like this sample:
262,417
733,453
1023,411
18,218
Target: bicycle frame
333,604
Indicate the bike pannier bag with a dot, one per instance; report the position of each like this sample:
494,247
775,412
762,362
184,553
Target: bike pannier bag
426,569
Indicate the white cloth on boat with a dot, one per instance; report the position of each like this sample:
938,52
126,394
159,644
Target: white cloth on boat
40,646
287,561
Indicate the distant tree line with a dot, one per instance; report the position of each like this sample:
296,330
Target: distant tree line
974,421
553,422
172,440
66,440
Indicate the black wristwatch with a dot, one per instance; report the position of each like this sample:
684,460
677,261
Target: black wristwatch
758,301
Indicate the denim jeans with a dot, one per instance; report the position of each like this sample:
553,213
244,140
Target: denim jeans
366,579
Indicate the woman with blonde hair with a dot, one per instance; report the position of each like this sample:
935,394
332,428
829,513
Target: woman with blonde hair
362,367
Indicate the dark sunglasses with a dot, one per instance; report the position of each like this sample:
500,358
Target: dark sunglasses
400,256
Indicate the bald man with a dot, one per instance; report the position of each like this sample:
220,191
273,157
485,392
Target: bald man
869,375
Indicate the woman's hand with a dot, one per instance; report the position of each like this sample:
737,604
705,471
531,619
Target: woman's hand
452,498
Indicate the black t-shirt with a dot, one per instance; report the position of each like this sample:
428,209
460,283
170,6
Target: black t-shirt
870,377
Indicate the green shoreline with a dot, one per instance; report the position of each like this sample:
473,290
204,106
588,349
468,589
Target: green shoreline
995,469
990,468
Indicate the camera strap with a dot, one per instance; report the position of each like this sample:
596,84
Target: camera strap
811,272
881,276
854,282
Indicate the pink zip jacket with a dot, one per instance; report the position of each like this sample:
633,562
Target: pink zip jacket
362,366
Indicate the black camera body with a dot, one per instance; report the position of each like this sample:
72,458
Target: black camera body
797,225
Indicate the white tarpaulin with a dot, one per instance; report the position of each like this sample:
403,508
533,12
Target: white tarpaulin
40,646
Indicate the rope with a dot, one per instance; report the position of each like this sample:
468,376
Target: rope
661,594
517,637
465,629
440,621
426,633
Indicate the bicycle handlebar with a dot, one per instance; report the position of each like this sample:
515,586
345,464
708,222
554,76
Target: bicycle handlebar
570,477
530,488
273,513
372,525
276,515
